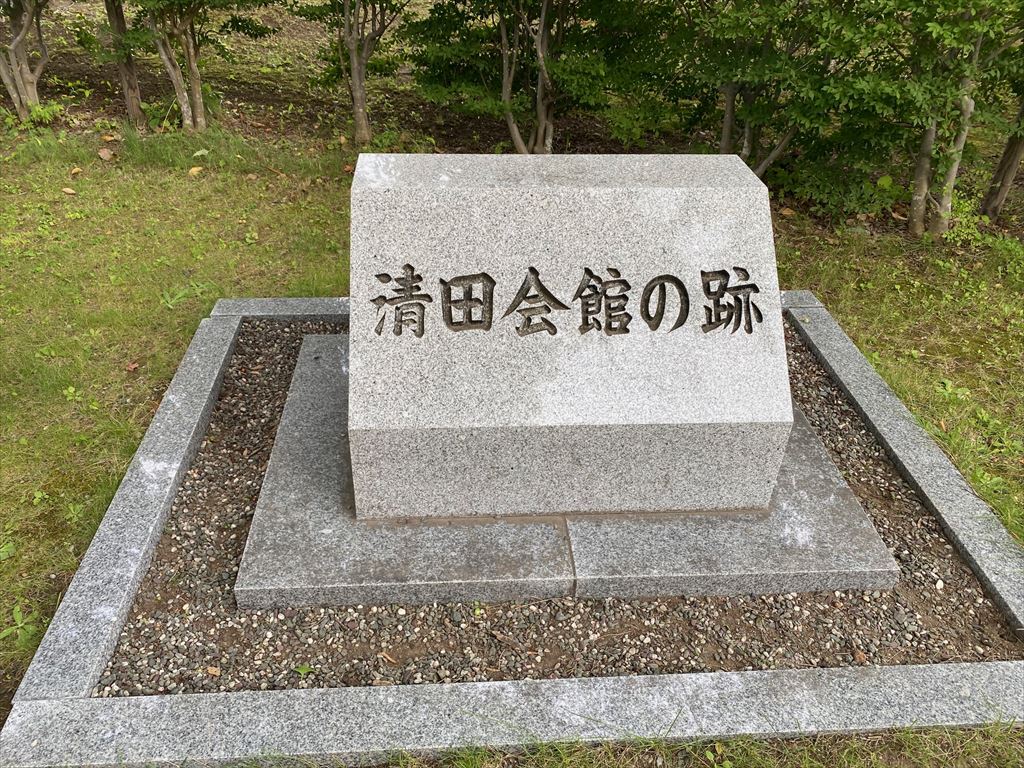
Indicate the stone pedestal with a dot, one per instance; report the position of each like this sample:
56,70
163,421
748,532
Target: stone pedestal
307,547
563,335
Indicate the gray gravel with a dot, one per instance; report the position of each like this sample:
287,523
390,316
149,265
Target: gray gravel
185,633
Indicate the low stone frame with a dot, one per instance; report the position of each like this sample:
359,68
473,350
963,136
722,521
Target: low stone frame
55,721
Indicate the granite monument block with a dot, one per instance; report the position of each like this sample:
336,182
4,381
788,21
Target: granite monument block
563,334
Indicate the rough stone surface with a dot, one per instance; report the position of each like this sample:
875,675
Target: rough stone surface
500,423
327,307
799,300
84,629
969,522
361,725
306,547
816,538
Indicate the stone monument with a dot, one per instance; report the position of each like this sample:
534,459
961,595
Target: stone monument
533,335
559,374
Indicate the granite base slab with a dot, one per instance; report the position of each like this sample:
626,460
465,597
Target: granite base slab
816,538
306,547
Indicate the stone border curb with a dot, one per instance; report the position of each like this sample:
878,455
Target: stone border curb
364,725
314,307
972,526
799,300
56,722
84,630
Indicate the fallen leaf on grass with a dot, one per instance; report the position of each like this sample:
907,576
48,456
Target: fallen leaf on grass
788,212
75,171
109,137
105,154
133,366
69,191
195,170
349,168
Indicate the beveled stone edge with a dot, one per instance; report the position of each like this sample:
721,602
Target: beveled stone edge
259,598
364,725
730,585
971,524
85,627
325,306
799,300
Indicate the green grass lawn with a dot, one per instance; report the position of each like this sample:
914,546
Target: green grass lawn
996,746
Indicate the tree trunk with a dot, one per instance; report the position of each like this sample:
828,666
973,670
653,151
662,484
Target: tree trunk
549,127
1002,179
543,134
195,81
125,62
922,181
776,152
508,73
23,78
1006,171
726,142
15,93
750,135
166,51
360,113
20,78
351,37
940,222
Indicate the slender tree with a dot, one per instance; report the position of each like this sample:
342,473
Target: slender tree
20,74
521,60
180,29
939,56
357,28
1006,170
125,60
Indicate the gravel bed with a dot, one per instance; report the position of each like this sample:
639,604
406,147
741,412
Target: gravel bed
185,634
